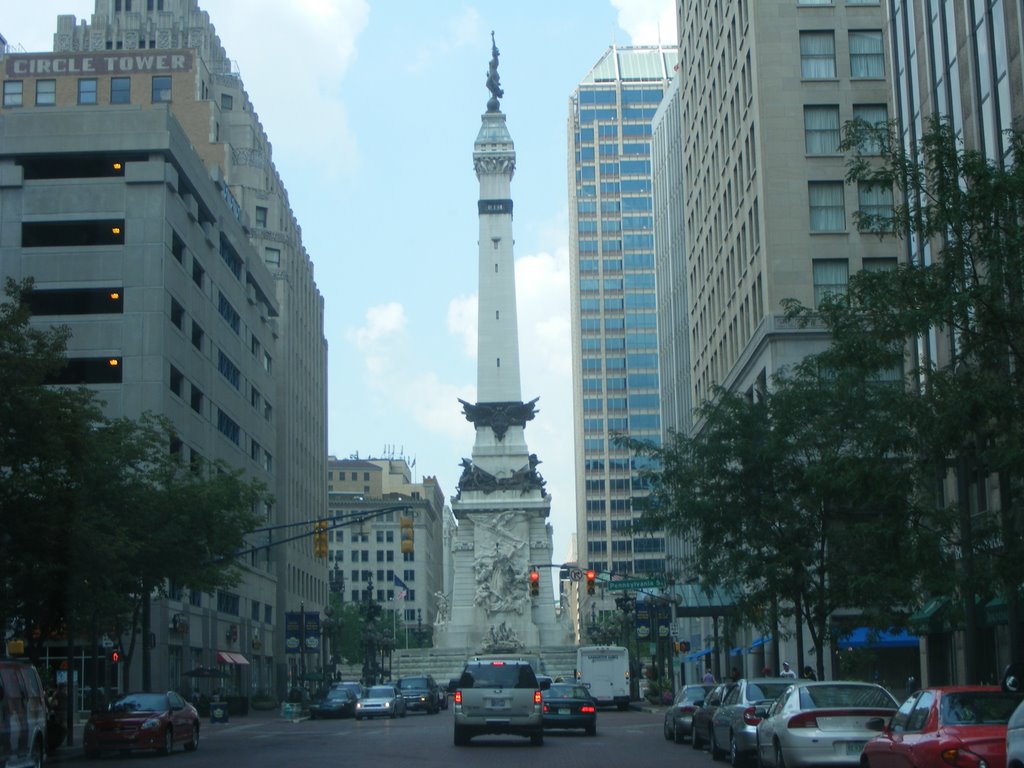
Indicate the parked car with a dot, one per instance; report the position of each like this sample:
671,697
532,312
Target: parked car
734,726
498,696
381,701
679,717
569,705
22,714
134,721
820,723
420,693
959,725
337,702
1015,739
701,729
357,688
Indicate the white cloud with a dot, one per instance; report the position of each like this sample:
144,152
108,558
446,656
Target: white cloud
462,322
382,320
461,30
647,22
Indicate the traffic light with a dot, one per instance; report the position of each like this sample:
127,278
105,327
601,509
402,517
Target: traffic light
684,647
320,539
406,534
115,655
591,578
534,583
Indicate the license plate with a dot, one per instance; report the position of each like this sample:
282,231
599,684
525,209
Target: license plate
498,703
563,711
854,747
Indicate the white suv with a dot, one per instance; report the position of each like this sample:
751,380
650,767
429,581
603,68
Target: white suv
498,696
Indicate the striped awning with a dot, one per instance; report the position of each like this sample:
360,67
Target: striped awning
227,657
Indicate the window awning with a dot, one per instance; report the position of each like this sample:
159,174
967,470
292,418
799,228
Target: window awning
862,637
759,642
933,616
697,655
737,651
226,657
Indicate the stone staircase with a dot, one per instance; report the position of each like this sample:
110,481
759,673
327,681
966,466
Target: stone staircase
444,664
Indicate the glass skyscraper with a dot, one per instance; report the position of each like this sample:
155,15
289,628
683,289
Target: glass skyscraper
614,301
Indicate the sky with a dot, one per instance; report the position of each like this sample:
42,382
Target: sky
372,108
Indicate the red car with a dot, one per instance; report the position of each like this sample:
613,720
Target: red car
963,726
133,721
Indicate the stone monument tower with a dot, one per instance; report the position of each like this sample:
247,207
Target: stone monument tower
501,506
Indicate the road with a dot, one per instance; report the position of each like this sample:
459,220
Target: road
264,740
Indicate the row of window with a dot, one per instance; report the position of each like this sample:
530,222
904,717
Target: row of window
88,89
827,206
818,54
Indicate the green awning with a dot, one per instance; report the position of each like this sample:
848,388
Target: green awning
933,616
695,600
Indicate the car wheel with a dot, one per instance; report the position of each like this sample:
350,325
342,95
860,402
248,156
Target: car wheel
695,741
591,730
359,717
193,744
168,745
680,737
667,731
461,737
716,753
537,739
735,758
36,755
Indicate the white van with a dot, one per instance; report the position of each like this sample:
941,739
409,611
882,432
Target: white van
604,670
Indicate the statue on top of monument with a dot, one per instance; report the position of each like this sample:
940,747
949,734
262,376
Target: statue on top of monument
493,80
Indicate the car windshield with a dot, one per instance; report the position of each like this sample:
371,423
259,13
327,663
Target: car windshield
978,707
820,696
381,692
693,693
339,694
765,691
558,691
413,682
498,675
140,702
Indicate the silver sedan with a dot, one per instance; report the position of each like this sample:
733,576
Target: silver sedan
820,723
381,701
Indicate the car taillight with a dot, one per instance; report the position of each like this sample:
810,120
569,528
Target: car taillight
686,709
546,709
962,758
803,720
749,717
587,709
458,697
536,697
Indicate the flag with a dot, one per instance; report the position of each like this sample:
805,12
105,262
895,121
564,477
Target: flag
402,589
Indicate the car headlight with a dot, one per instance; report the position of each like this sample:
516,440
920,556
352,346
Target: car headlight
359,705
388,704
153,723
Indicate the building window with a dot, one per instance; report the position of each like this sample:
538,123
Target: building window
817,55
261,216
196,399
197,272
828,211
120,90
87,90
272,257
177,315
227,102
875,205
177,382
830,276
197,336
161,88
12,93
884,264
46,93
866,58
821,130
876,115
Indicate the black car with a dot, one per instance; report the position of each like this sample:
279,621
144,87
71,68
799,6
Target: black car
421,694
568,705
337,702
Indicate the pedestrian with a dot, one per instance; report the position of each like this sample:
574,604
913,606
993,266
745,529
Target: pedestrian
734,675
766,672
808,673
708,676
787,671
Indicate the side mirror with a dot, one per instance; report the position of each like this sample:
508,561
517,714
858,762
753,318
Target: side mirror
875,724
1013,678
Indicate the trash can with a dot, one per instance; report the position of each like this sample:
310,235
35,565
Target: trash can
218,711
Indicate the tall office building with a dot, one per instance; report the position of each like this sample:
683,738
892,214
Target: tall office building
614,301
766,87
965,63
133,163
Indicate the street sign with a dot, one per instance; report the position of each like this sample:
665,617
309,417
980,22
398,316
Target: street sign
635,584
575,574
